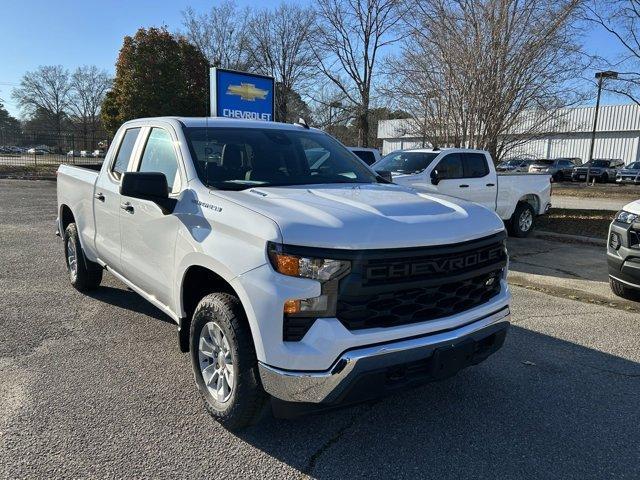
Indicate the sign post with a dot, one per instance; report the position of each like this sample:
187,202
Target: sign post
241,95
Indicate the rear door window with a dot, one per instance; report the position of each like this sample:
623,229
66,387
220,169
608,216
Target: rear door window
125,150
474,165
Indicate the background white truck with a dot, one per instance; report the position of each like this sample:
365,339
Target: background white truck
471,175
293,271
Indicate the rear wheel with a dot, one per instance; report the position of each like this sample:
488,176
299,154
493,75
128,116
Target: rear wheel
224,361
522,221
84,274
622,290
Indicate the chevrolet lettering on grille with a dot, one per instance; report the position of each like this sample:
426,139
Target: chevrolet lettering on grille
445,265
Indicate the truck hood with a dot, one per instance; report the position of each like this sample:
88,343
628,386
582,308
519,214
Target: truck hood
633,207
367,216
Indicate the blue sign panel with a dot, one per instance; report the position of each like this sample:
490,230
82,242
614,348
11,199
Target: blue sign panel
241,95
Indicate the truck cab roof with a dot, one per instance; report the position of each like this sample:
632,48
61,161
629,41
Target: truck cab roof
221,122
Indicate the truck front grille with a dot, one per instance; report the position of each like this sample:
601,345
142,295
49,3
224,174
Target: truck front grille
417,304
399,287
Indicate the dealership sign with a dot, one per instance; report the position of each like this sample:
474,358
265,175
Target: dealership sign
241,95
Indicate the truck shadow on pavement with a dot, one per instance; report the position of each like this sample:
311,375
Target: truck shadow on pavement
540,408
128,300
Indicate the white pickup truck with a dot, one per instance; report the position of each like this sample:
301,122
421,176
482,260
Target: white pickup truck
294,272
471,175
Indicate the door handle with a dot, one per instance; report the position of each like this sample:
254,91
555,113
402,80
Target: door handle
127,207
491,184
99,196
463,186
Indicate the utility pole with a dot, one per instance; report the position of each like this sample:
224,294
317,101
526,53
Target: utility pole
333,105
600,76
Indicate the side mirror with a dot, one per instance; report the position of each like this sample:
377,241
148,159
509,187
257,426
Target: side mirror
386,175
150,186
435,177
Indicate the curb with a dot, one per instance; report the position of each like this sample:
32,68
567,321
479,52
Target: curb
599,242
9,176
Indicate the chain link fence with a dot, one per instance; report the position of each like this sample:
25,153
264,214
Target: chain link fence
33,149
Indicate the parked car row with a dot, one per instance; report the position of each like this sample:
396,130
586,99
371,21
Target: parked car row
86,153
46,150
12,150
571,169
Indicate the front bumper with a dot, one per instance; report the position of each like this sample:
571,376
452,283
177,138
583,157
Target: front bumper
372,370
624,261
628,179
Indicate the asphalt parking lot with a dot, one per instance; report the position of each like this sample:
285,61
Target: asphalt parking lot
96,387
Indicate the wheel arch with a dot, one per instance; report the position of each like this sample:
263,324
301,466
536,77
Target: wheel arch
533,200
198,281
66,217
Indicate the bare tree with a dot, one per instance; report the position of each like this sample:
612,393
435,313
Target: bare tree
47,90
280,47
487,73
220,34
89,86
621,19
347,50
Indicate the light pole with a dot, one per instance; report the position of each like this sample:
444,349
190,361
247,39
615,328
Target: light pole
601,77
333,105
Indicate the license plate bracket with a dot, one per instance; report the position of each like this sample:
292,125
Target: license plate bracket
449,360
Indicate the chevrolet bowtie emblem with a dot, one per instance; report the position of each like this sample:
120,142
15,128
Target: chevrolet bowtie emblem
247,91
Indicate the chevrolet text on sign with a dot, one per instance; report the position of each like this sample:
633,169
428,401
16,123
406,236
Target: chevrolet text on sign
241,95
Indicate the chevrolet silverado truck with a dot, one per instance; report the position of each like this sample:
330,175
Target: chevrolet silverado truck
295,274
623,252
471,175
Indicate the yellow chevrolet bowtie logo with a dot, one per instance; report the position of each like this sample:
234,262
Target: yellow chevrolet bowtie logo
247,91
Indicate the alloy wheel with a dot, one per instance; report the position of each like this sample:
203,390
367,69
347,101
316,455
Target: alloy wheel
216,362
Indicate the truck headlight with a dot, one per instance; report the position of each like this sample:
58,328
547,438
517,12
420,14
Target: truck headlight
321,269
326,271
626,217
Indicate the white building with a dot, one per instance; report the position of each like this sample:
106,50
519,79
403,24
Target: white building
617,136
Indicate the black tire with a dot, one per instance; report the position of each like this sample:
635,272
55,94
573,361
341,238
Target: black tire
623,291
247,397
86,275
604,178
516,227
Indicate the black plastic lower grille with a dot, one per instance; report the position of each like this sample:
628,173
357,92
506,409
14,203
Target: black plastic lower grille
417,304
294,328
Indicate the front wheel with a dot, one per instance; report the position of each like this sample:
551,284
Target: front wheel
522,220
623,291
224,361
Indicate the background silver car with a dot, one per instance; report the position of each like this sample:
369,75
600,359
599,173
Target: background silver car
629,174
559,168
515,165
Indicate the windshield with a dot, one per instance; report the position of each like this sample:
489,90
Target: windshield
633,166
239,158
405,162
544,162
599,163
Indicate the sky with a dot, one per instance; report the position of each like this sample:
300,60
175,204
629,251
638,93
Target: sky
90,32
